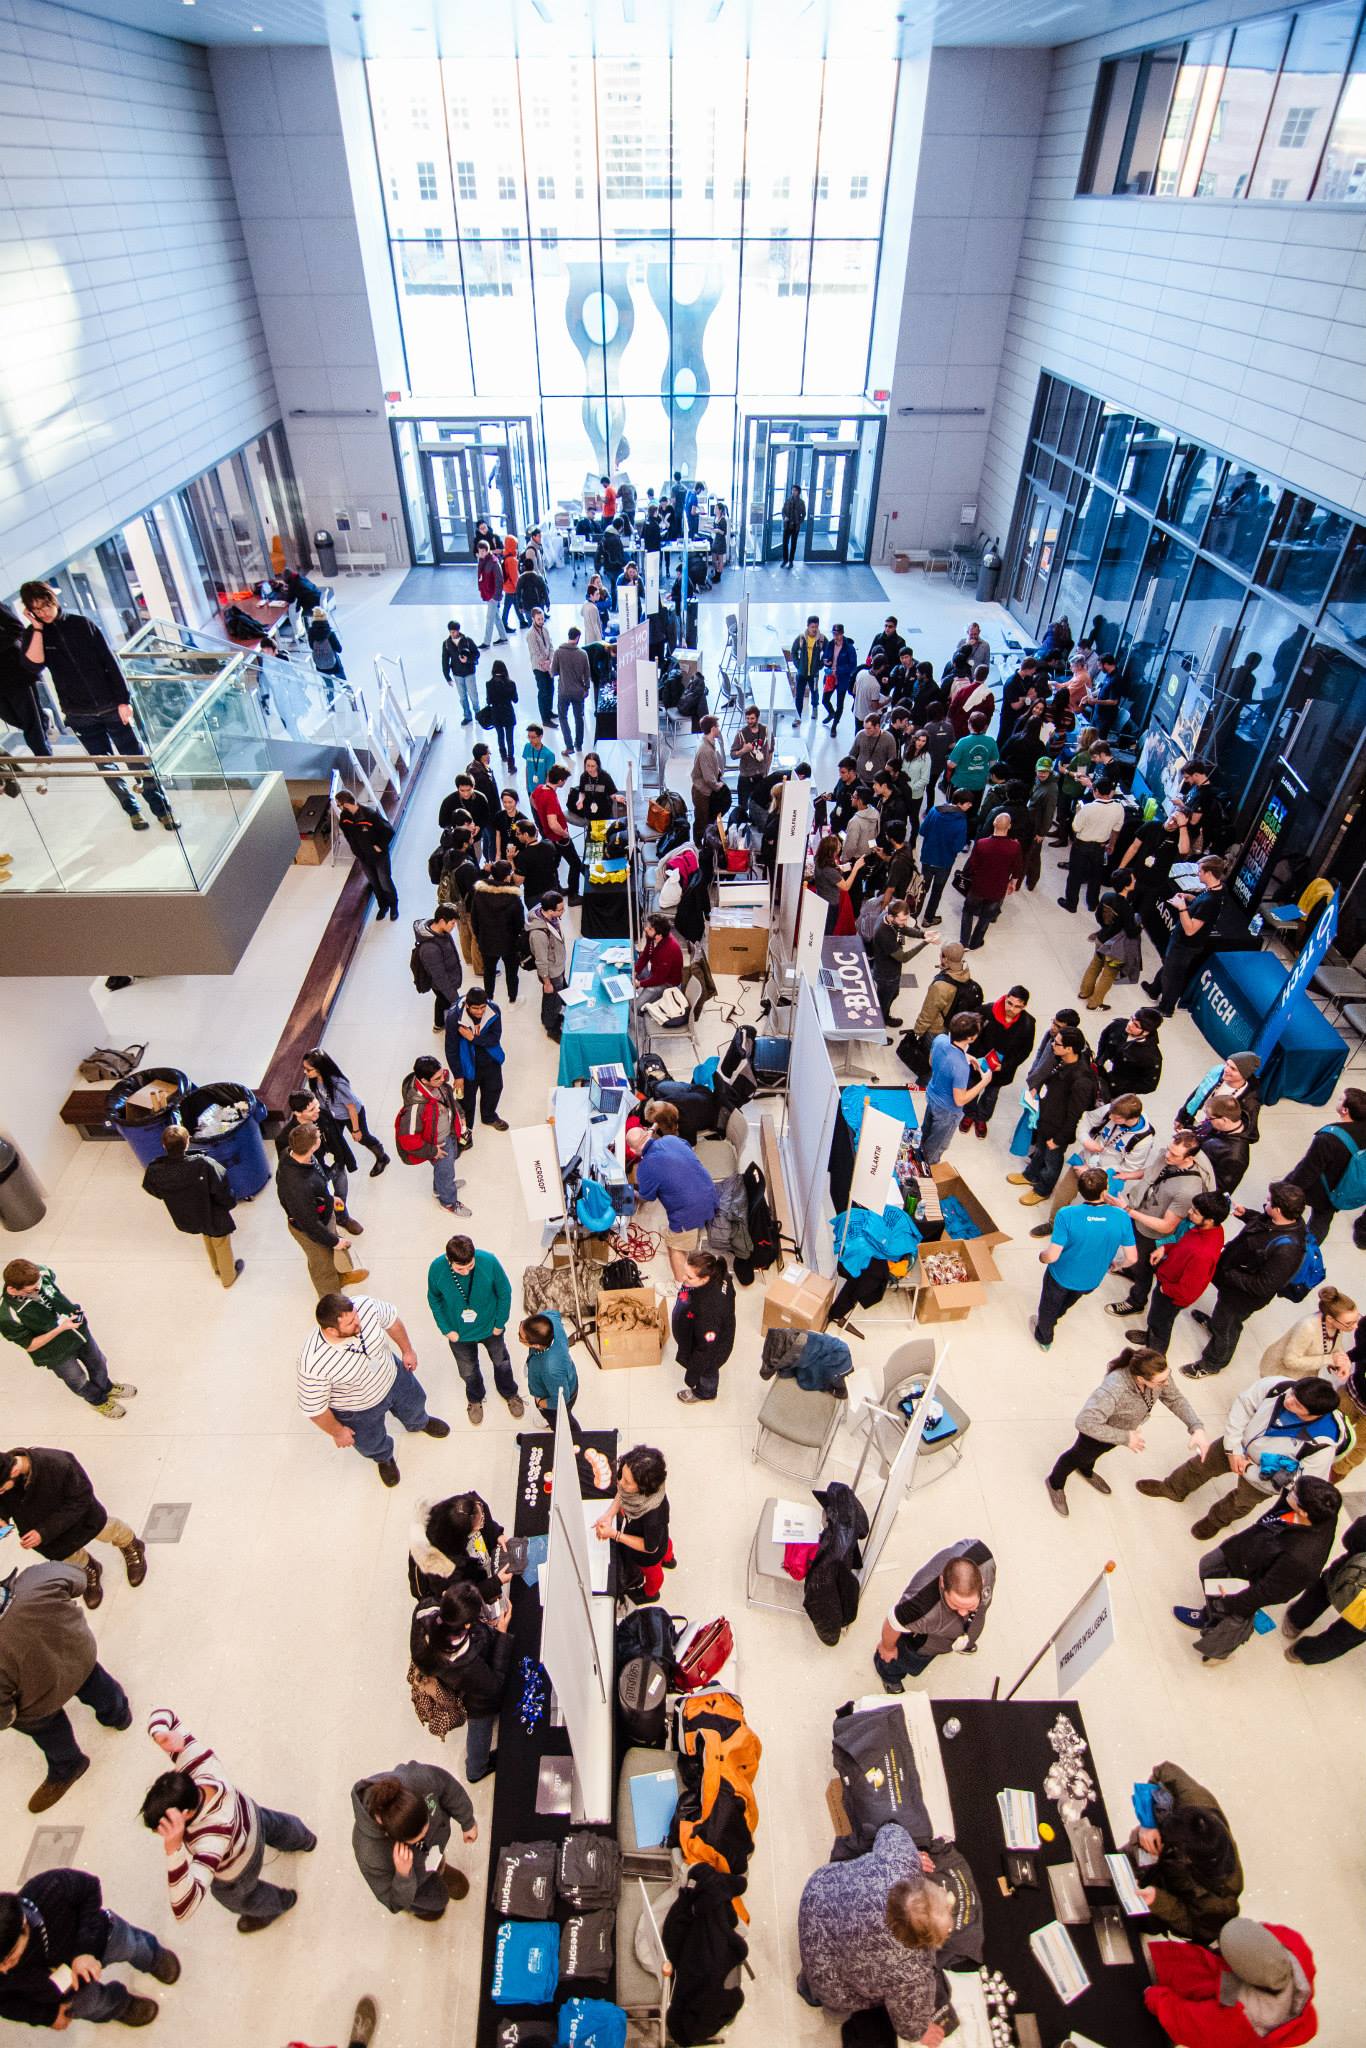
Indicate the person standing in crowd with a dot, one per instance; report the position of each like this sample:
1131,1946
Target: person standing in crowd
60,1922
708,779
470,1297
1158,1203
569,667
48,1497
197,1198
400,1826
1065,1095
794,519
704,1324
1003,1044
807,655
971,760
1254,1267
335,1156
488,574
1087,1238
369,835
956,1081
549,809
477,1046
214,1836
459,660
430,1083
350,1379
500,695
993,869
538,757
944,1608
436,950
841,666
1259,1987
1342,1586
1332,1173
93,693
1042,805
888,951
456,1541
1279,1557
1197,918
541,653
1237,1077
310,1202
867,1930
1275,1428
19,705
1116,948
49,1657
471,1660
535,862
752,751
333,1090
943,836
1222,1132
874,749
667,1170
499,926
1183,1268
550,954
951,989
550,1374
52,1329
1128,1056
1114,1414
1118,1139
636,1519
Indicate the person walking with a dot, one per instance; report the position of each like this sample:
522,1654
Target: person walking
569,667
52,1329
488,575
48,1497
1096,827
511,567
807,656
499,922
1115,1413
327,1081
1088,1237
1254,1267
1274,1429
308,1197
708,780
548,806
470,1297
550,1374
1342,1586
59,1921
93,693
500,694
459,660
436,959
1332,1173
703,1324
350,1379
400,1827
943,835
550,954
471,1662
794,519
369,835
326,650
942,1610
335,1156
49,1657
993,870
1065,1095
477,1045
197,1197
841,666
430,1087
1183,1268
215,1838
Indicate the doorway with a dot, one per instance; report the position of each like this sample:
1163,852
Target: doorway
457,472
463,486
832,490
834,464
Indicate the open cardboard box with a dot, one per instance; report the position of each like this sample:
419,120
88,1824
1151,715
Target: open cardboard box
643,1345
949,1181
800,1302
949,1304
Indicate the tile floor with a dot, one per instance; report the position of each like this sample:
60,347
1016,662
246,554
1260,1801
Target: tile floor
278,1626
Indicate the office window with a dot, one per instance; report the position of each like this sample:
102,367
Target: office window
1316,60
858,188
420,115
1129,121
393,188
782,188
465,183
459,113
426,181
550,241
1244,101
1342,176
507,185
823,186
742,188
500,114
432,237
545,188
1296,126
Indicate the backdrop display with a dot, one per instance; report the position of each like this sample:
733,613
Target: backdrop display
851,989
571,1635
810,1083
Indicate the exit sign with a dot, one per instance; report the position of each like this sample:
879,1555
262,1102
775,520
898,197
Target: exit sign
393,397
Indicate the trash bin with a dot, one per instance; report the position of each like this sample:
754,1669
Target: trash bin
139,1124
988,574
238,1149
21,1205
325,548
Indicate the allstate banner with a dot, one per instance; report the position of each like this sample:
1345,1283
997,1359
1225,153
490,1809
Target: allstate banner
1310,958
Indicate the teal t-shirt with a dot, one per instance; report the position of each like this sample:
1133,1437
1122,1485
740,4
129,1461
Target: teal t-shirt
973,759
1090,1234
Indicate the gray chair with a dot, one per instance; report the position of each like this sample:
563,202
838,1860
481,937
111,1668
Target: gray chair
766,1583
694,994
909,1365
648,1874
796,1427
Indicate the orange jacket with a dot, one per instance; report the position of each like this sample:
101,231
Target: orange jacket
511,565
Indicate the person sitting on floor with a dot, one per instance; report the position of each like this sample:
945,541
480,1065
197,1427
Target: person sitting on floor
1188,1856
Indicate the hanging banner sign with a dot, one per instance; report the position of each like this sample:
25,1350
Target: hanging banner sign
1086,1634
879,1142
1307,962
794,821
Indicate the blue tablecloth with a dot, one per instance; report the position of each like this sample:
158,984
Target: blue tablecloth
597,1033
1233,993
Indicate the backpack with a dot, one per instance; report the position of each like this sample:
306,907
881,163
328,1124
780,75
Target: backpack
648,1632
415,1126
324,655
869,918
618,1273
642,1698
1310,1272
704,1656
1350,1191
422,981
718,1761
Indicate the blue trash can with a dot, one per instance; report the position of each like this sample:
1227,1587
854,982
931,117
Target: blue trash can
239,1149
142,1128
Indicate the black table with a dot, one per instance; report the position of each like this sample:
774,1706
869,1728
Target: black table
514,1817
605,914
1005,1743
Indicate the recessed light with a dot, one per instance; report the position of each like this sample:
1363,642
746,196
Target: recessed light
257,29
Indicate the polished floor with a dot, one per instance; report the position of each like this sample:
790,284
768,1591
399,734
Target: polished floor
277,1626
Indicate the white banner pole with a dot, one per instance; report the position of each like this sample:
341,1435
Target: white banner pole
1108,1637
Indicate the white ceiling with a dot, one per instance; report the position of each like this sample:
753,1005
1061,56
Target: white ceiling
846,27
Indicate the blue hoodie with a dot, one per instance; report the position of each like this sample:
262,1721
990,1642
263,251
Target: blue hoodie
943,836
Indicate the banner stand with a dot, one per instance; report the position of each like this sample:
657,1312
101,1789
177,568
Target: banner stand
535,1150
1094,1633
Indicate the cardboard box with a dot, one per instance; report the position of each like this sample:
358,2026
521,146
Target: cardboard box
950,1182
594,1251
737,948
797,1299
641,1345
952,1302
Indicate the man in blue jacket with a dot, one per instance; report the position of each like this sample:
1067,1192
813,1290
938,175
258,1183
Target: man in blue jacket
667,1170
550,1374
943,836
841,662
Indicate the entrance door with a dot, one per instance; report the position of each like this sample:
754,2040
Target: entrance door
465,484
833,464
787,461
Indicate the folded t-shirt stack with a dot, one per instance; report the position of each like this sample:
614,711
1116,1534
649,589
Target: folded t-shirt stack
524,1884
587,1945
589,1873
526,1962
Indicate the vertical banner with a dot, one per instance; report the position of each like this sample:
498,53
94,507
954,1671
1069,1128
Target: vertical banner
651,561
647,693
538,1170
742,646
879,1142
810,937
898,1479
628,603
794,821
633,654
1308,961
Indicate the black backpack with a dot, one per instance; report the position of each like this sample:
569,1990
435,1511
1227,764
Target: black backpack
422,981
642,1696
620,1273
648,1632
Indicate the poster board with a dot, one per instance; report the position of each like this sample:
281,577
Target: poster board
651,561
810,1083
538,1170
571,1637
794,821
633,649
898,1480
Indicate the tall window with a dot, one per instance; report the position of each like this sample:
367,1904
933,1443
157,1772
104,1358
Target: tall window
465,184
1296,126
858,188
426,181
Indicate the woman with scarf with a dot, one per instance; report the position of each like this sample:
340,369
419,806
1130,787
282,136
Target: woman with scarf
637,1521
451,1643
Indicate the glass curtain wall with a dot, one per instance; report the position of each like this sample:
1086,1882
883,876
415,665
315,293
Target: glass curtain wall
639,242
1195,569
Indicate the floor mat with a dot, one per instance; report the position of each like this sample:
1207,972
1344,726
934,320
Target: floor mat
443,586
813,583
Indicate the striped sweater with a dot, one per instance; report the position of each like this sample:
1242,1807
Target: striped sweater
221,1837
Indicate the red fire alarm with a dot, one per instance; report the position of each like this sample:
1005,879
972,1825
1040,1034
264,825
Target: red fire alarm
881,397
396,397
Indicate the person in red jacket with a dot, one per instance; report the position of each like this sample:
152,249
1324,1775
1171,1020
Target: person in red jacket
1184,1269
993,868
659,963
488,571
1256,1992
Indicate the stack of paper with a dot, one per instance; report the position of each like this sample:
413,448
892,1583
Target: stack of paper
1056,1953
1126,1885
571,997
1019,1818
795,1523
615,956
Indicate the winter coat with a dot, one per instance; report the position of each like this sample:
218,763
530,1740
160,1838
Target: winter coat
728,1229
83,671
440,958
759,1219
46,1649
488,575
1186,2004
487,1290
797,654
1315,1445
510,565
708,769
923,1615
704,1945
1228,1153
1211,1082
1279,1559
1013,1043
196,1193
1255,1265
305,1195
539,646
447,1801
431,1571
1064,1099
830,1591
71,1923
484,1047
1193,1898
841,661
474,1667
1302,1348
500,693
1127,1066
849,1957
499,920
943,835
704,1323
946,995
459,657
1122,1403
1327,1159
366,831
57,1499
548,948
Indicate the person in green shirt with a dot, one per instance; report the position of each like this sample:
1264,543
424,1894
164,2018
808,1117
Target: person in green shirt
38,1317
972,758
470,1297
550,1374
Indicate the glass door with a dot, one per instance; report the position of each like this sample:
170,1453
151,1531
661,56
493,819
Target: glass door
833,466
786,468
464,484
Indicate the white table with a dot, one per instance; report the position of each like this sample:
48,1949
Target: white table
834,1036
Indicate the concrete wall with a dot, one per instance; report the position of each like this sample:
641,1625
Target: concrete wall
983,109
1241,323
133,354
297,128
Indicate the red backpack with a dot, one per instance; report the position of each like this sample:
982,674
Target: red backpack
415,1125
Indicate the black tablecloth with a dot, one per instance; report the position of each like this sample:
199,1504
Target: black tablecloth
1005,1743
604,914
514,1817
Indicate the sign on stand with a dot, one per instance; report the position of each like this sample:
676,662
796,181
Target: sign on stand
633,656
810,937
794,821
538,1170
879,1142
1081,1639
1307,962
652,604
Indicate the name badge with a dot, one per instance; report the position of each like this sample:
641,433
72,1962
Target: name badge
468,1315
